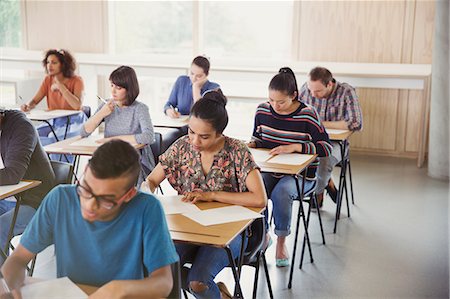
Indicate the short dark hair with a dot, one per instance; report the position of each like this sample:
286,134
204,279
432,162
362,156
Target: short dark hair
68,63
322,74
125,77
285,82
203,62
114,159
211,108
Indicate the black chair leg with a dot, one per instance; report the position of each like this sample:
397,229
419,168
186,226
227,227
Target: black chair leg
266,270
303,245
351,180
314,197
255,281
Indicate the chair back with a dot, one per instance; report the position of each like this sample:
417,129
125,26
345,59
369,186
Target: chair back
256,238
176,277
86,110
63,172
156,147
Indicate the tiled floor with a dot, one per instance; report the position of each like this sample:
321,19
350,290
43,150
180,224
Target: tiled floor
395,245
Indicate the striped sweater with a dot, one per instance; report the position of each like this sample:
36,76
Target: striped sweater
302,126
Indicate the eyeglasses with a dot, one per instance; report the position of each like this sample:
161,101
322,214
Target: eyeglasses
106,202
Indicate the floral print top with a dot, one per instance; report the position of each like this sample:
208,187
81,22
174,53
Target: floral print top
183,167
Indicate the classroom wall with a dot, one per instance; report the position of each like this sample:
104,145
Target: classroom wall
341,31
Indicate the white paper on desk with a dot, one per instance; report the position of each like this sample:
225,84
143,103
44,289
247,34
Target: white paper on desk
222,215
53,289
174,205
88,141
335,131
260,155
8,188
291,159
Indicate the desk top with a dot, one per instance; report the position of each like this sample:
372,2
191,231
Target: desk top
164,121
290,169
339,135
66,147
183,229
11,190
41,115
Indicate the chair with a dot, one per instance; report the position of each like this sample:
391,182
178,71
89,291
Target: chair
86,110
63,175
156,150
176,277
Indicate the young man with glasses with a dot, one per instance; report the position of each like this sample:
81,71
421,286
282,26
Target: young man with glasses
106,233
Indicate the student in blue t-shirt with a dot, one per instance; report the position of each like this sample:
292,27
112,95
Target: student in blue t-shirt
106,233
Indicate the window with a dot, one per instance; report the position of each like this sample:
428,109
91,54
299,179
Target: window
154,27
260,30
10,24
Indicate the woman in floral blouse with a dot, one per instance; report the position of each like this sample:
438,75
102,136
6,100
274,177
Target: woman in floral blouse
208,166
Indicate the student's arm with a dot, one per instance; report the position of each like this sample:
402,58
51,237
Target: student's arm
13,269
254,197
157,285
197,88
18,156
73,99
155,178
92,123
353,111
172,102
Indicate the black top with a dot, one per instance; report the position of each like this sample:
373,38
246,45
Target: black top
24,157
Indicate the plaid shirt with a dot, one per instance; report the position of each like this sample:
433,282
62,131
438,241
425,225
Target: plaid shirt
342,104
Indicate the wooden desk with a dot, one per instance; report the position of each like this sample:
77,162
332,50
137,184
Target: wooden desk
15,190
293,170
164,121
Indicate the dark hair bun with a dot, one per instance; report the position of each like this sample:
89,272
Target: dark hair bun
216,96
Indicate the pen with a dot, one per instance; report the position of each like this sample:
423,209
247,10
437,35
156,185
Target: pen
174,108
102,99
20,98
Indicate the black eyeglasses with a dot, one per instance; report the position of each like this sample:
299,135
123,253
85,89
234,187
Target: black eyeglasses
101,200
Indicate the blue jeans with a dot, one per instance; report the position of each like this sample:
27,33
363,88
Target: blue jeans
6,214
282,191
207,262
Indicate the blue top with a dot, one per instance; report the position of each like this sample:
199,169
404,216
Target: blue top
98,252
181,95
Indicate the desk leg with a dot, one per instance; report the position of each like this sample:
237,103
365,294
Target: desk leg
53,130
67,127
238,290
300,214
11,227
342,185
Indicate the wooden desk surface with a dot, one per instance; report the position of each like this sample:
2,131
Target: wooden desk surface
66,147
41,115
291,169
183,229
162,120
11,190
339,135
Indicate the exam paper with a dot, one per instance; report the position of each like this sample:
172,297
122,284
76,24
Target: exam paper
174,205
335,131
291,159
222,215
260,155
53,289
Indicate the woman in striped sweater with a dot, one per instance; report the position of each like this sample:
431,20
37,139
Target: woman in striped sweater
285,125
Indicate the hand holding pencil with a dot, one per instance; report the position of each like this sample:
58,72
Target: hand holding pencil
108,108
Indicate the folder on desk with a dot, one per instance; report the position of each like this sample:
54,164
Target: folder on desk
222,215
174,205
262,155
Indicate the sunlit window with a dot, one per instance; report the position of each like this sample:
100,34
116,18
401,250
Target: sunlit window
154,27
10,24
248,29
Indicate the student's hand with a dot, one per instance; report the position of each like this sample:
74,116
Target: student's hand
200,82
251,144
56,85
194,197
111,290
172,113
284,149
25,108
107,109
14,294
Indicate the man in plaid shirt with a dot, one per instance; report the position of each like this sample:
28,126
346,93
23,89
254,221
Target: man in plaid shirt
338,108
